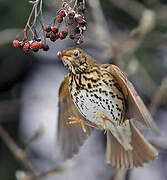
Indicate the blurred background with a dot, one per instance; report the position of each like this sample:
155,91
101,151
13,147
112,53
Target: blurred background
129,33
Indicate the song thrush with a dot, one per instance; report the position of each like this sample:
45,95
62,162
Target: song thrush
100,96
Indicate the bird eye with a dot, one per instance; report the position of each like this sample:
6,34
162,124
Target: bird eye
76,53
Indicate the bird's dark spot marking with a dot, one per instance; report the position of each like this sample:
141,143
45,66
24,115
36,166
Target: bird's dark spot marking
95,95
112,106
95,85
108,107
112,115
118,114
111,80
89,86
118,87
105,82
77,105
118,109
119,97
106,93
93,80
85,78
100,90
102,105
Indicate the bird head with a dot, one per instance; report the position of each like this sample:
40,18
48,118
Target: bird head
76,60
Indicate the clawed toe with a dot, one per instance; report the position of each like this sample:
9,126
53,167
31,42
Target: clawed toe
104,118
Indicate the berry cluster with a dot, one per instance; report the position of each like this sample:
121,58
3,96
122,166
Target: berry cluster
69,22
31,45
75,26
53,33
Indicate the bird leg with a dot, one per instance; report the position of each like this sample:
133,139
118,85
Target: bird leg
75,120
104,118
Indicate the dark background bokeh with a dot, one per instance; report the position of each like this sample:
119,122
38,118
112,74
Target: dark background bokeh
29,83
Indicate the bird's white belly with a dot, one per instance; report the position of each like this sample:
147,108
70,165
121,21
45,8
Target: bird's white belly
89,104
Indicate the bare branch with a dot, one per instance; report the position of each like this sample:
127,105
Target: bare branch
17,152
159,95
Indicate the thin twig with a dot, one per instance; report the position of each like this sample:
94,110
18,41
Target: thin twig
146,24
101,26
17,152
20,155
134,8
34,137
157,98
64,165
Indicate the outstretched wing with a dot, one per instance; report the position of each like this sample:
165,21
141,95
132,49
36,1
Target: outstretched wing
136,107
70,137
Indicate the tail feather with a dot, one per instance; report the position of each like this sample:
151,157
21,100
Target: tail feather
142,151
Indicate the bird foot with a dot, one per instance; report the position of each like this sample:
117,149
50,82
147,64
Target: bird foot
104,118
75,120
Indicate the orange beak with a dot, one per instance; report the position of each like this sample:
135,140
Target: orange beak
61,54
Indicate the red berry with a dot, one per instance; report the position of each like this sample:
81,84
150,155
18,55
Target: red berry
52,37
48,28
55,29
59,19
41,44
26,47
57,36
65,32
71,14
62,13
61,35
60,54
34,45
16,43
